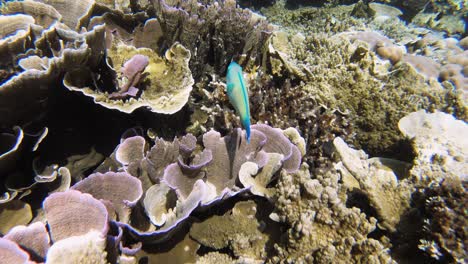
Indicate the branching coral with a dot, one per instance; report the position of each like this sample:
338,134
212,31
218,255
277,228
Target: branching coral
445,220
353,71
214,32
295,195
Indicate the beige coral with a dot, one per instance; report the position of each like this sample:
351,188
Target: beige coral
376,178
440,145
168,80
85,249
239,230
321,226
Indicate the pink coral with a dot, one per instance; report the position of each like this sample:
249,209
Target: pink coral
132,70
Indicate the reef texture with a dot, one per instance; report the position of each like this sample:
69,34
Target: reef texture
321,227
437,138
118,143
341,83
445,220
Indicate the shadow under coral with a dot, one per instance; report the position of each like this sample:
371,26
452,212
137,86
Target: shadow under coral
77,124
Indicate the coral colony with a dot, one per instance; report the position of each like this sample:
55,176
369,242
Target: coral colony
202,131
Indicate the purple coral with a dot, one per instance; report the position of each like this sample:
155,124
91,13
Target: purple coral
10,252
120,189
73,213
134,66
199,174
278,143
130,150
132,70
33,238
219,164
181,176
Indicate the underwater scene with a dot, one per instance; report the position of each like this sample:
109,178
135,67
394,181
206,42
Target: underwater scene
248,131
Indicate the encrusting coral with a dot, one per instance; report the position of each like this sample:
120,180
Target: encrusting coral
238,230
439,145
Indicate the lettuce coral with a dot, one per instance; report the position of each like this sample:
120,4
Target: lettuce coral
182,184
166,82
34,238
66,211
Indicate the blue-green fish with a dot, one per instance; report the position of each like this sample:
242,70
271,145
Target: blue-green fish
238,95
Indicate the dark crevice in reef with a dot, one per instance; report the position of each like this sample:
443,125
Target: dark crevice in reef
256,4
76,124
357,198
203,250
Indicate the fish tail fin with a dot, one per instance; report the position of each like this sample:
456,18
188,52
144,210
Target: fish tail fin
246,124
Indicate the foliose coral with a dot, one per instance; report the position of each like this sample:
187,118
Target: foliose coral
326,75
69,215
180,176
157,88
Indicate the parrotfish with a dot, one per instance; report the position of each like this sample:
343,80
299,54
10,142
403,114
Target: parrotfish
238,95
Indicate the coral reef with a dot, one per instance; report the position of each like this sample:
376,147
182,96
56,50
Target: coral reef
162,92
322,228
196,176
302,57
214,31
118,143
